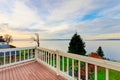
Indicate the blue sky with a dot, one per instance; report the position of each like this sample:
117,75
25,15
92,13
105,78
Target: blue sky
92,19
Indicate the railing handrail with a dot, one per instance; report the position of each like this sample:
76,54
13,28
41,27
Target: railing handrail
14,49
95,61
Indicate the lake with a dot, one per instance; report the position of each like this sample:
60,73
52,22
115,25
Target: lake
111,48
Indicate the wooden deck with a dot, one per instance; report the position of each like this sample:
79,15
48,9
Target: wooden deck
28,71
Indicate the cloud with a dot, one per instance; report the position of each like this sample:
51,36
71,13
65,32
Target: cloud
54,18
28,30
100,26
21,16
70,7
113,12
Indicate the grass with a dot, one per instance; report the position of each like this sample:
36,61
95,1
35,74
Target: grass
1,59
113,75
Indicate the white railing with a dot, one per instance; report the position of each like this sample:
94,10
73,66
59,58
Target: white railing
65,64
11,56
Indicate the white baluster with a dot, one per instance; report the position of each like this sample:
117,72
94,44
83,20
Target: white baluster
10,56
40,53
31,53
15,56
107,74
86,67
48,58
67,65
73,68
24,54
43,55
79,70
4,58
20,55
95,72
63,63
58,62
53,60
28,53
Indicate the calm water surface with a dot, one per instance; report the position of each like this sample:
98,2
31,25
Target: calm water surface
111,48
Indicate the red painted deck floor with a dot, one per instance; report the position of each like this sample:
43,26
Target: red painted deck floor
29,71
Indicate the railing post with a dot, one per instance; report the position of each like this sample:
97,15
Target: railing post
20,55
40,52
53,60
79,70
48,57
36,53
24,54
4,58
73,68
95,72
63,63
15,56
86,68
67,65
58,60
10,57
45,56
107,74
28,53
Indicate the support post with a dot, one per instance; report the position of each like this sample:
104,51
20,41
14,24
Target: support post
107,74
95,72
4,58
86,71
58,60
36,53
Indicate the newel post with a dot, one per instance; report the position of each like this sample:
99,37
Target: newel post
57,61
36,53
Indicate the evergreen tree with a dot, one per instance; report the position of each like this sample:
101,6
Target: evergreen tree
77,45
100,51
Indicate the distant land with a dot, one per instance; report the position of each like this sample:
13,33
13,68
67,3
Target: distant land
67,40
54,39
41,39
106,39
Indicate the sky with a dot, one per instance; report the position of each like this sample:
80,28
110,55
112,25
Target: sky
91,19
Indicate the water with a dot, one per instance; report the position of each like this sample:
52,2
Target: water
110,48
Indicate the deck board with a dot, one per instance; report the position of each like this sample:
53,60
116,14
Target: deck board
29,71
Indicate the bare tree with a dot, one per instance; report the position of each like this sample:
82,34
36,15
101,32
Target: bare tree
36,39
8,38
